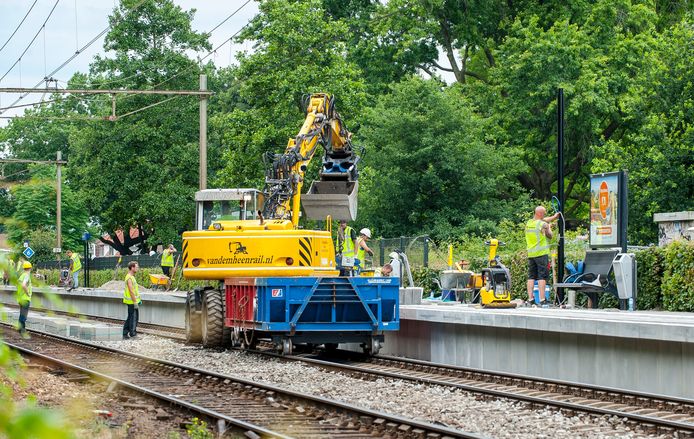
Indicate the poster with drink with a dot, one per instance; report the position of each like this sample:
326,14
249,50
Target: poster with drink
604,218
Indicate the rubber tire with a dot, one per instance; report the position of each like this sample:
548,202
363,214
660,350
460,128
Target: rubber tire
193,320
212,319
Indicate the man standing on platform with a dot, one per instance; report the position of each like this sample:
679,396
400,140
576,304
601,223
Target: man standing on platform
24,293
537,233
131,297
167,259
75,267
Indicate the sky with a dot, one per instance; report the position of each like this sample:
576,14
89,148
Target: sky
74,23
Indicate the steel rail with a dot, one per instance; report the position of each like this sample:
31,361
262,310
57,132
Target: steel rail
446,378
374,419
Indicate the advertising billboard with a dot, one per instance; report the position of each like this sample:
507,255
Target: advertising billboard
605,210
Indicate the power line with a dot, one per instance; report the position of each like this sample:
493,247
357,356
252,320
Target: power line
85,47
32,40
228,17
19,25
177,74
187,69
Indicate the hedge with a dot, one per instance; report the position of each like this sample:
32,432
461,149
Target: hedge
665,277
100,277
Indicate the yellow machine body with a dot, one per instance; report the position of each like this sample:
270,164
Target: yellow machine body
495,292
250,249
272,244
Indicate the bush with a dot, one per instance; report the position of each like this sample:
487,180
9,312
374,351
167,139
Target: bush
678,277
650,263
100,277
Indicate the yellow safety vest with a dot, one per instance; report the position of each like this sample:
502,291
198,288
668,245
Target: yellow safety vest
76,263
167,259
24,297
361,253
136,289
348,244
535,239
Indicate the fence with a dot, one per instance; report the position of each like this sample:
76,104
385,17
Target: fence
106,262
417,249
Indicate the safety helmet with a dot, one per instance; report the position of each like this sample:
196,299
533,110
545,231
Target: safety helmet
26,265
394,255
366,232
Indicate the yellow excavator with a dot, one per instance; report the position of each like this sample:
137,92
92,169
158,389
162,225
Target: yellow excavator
274,280
245,243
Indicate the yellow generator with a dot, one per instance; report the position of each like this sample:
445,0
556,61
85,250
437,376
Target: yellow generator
496,280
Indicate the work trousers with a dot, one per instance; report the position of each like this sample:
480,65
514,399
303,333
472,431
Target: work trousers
76,279
130,325
23,314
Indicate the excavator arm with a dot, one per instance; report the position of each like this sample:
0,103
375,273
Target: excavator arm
334,193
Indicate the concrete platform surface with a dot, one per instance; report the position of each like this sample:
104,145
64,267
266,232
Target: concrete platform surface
165,308
645,351
647,325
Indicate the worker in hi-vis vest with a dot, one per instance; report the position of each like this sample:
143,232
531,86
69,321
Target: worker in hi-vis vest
24,293
167,259
75,267
346,248
538,232
363,248
131,297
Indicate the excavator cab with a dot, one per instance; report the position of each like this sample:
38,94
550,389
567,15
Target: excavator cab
214,205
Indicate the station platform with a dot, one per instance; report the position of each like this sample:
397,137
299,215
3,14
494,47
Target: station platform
646,351
161,308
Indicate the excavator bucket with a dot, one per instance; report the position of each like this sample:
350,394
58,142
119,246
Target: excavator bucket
335,198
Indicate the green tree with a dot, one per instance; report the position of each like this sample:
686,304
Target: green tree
657,148
432,166
596,61
298,51
35,214
141,170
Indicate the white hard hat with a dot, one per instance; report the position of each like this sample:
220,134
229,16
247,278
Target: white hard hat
394,255
366,232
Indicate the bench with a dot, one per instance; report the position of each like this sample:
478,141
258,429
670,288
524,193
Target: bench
596,277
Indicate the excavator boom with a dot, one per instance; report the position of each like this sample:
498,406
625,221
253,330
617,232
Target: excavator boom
335,192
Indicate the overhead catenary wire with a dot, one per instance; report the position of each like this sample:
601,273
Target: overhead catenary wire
73,56
19,25
116,80
210,53
32,41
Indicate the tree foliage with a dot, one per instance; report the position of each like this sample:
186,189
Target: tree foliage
34,217
298,50
141,170
455,100
432,165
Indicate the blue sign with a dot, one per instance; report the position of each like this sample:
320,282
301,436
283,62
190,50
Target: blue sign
28,252
86,236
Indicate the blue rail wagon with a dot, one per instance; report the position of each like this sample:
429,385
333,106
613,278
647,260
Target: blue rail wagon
312,310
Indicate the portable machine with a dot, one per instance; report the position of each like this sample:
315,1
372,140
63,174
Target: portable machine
496,280
275,280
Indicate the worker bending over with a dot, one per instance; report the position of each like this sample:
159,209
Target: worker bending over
538,232
75,267
363,248
24,293
131,297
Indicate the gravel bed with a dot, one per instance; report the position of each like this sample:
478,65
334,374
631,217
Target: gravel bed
437,404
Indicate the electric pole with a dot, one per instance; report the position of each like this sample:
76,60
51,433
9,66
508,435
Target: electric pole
58,203
203,133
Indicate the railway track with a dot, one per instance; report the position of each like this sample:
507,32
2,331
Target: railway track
241,405
654,413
